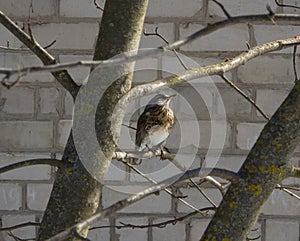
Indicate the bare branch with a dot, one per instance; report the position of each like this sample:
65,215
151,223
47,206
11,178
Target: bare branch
21,225
203,193
154,52
31,162
294,63
286,5
242,93
98,6
165,189
147,155
287,191
156,33
232,176
216,69
223,8
62,76
155,225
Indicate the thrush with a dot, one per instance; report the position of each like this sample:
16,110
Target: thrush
154,124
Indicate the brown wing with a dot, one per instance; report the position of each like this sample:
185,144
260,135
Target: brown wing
147,120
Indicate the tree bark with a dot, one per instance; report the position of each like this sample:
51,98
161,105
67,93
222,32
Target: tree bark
76,195
267,164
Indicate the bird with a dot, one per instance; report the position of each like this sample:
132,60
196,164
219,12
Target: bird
154,124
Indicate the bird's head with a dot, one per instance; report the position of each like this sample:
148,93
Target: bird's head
161,99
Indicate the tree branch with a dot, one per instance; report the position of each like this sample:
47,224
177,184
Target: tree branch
242,93
215,69
155,225
21,225
62,75
31,162
287,191
165,189
232,176
157,51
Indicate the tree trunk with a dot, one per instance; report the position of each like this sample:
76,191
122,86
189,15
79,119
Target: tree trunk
76,195
267,164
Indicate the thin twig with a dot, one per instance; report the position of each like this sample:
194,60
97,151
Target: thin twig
62,75
223,8
199,172
155,225
294,63
287,191
156,33
50,45
21,225
130,127
31,162
286,5
16,238
242,93
98,6
165,189
155,52
8,84
203,193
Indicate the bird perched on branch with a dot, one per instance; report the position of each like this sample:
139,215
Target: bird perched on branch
154,124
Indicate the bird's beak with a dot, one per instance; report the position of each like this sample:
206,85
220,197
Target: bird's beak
171,97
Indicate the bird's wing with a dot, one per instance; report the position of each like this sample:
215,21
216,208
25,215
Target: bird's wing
145,122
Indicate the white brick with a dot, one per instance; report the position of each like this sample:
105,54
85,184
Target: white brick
195,198
63,132
25,60
37,172
21,8
49,101
38,196
282,230
152,41
198,227
193,102
267,70
267,33
170,232
241,7
175,8
23,233
156,169
116,171
269,99
19,100
132,234
10,196
79,74
234,103
247,134
200,134
67,35
281,203
293,3
7,39
26,135
78,8
112,194
101,233
232,162
238,36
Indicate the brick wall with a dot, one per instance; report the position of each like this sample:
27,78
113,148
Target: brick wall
36,114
